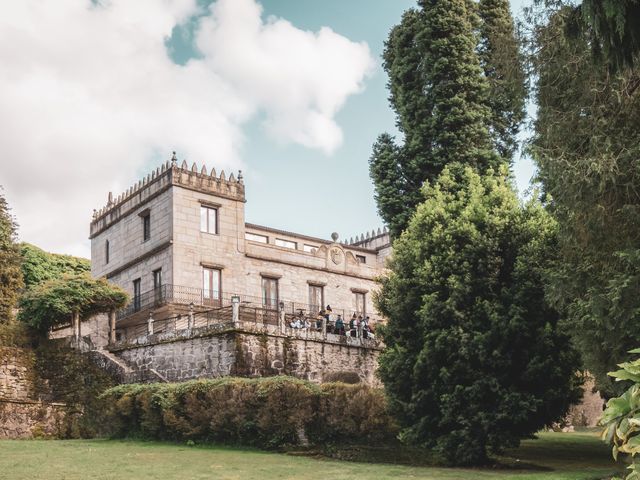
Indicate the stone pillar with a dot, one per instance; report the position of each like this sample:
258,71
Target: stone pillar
235,309
190,320
150,324
75,326
324,327
282,317
112,327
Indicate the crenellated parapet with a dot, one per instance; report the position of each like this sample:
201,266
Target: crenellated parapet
373,239
162,178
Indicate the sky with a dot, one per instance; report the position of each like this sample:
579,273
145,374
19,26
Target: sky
96,94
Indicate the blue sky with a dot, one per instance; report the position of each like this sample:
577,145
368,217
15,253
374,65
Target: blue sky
100,93
305,190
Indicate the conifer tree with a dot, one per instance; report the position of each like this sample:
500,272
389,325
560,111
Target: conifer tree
502,62
586,147
474,358
441,97
10,261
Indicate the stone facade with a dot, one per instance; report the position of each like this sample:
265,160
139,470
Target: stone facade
174,198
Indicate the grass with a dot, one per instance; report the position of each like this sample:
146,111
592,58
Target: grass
577,456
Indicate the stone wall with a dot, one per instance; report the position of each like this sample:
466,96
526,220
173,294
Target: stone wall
30,419
253,354
16,373
21,416
588,412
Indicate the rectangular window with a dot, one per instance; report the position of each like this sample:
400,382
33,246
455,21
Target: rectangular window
211,286
270,292
136,294
309,248
106,251
361,259
316,298
208,219
254,237
286,243
360,303
157,278
146,226
157,285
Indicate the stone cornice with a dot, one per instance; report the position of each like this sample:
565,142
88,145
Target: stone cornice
139,259
302,265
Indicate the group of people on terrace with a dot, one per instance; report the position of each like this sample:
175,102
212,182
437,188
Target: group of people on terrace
359,325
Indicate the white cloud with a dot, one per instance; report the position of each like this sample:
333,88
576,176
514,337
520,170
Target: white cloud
88,95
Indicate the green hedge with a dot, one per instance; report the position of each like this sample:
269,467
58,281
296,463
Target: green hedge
267,412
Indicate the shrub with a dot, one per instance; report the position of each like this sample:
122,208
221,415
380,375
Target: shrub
267,412
621,418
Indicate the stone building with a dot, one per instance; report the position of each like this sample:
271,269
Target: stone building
178,242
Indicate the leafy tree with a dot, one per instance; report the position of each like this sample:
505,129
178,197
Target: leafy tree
443,94
10,274
39,266
586,146
53,302
475,359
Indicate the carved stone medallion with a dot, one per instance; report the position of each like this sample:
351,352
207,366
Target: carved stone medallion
336,256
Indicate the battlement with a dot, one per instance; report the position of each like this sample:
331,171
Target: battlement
372,240
159,180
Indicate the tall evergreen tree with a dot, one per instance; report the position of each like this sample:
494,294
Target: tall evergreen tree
586,147
450,105
474,359
613,30
503,65
10,260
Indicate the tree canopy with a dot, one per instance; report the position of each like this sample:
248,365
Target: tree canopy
586,146
451,104
475,359
39,266
52,302
612,28
10,274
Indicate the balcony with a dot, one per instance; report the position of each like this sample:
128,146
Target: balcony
175,308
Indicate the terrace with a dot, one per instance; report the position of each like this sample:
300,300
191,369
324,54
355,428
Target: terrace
173,312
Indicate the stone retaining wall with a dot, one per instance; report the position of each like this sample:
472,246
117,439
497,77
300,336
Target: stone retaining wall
252,354
29,419
21,416
16,370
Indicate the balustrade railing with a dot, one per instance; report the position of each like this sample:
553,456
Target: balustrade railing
209,299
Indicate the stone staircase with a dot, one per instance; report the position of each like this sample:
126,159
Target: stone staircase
121,369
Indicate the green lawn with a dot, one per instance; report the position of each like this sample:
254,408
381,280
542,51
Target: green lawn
554,456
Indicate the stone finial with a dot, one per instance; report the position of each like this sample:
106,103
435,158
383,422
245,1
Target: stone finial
184,165
232,178
174,160
334,236
222,177
95,213
213,172
203,171
194,168
240,177
163,168
379,232
384,229
367,235
110,199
